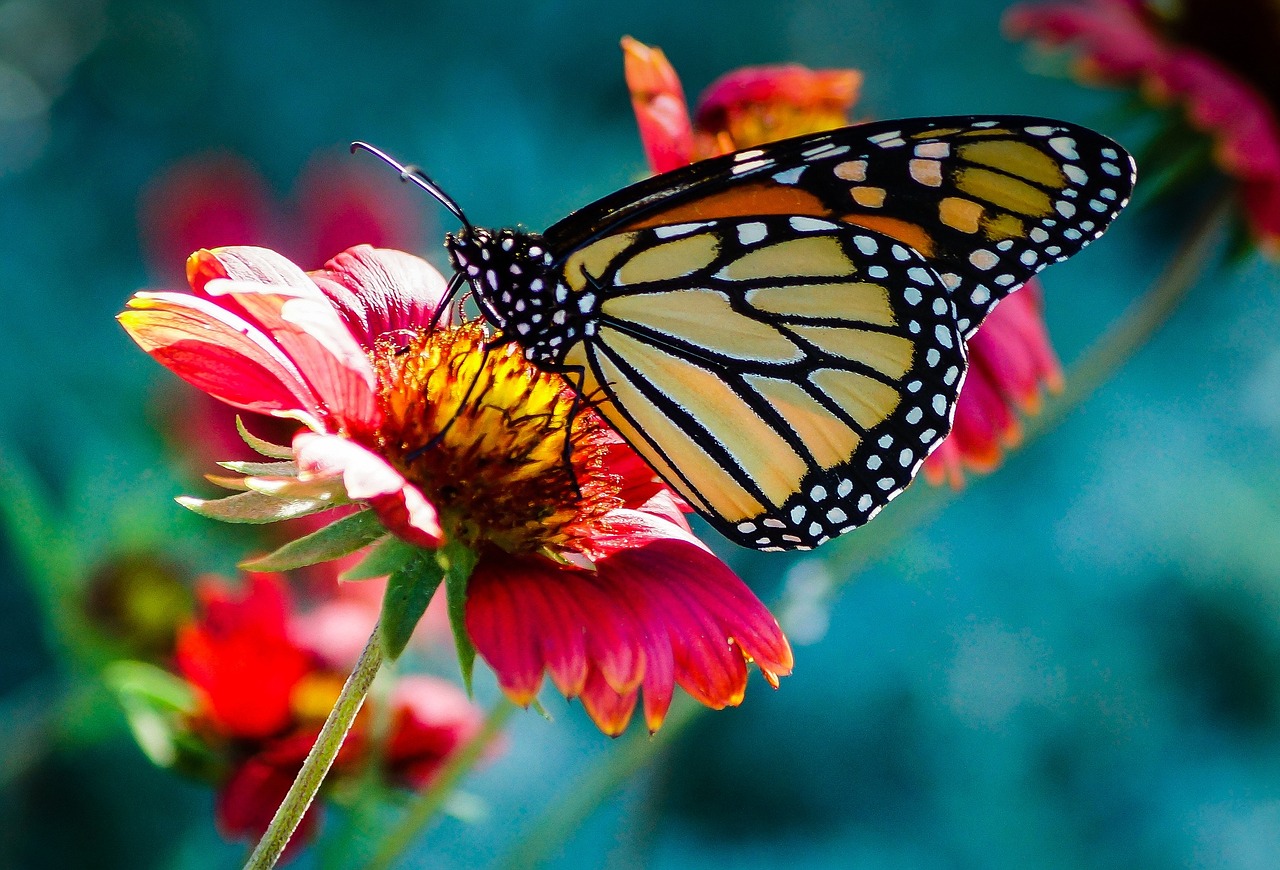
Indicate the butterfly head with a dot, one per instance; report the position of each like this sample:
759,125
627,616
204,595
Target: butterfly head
514,282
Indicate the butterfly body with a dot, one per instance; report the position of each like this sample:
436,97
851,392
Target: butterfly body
780,332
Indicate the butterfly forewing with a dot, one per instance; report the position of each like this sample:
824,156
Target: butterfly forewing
786,374
987,201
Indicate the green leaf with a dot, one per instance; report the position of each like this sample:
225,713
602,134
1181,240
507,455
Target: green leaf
387,556
155,703
409,591
458,564
253,507
266,448
335,540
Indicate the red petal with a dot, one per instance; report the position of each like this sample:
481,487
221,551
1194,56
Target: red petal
659,103
218,352
250,798
368,477
380,292
609,709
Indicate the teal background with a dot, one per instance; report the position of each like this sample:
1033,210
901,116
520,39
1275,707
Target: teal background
1075,664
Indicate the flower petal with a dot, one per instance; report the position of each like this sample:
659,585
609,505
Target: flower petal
380,292
245,263
367,477
755,105
218,352
313,336
661,111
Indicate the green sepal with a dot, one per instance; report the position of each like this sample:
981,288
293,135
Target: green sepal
263,469
266,448
384,558
335,540
156,705
458,563
409,591
253,507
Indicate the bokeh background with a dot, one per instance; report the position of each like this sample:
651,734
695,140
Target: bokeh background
1076,663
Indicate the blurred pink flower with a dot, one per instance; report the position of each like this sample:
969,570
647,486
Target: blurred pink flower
1214,62
1011,362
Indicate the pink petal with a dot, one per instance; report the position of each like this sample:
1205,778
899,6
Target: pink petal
498,623
368,477
309,331
381,292
609,709
658,100
246,263
218,352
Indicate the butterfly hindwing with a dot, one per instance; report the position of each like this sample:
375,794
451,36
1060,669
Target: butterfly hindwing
786,374
987,201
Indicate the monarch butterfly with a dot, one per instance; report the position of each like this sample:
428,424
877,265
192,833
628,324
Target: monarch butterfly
780,332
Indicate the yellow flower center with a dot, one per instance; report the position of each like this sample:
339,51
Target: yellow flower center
501,448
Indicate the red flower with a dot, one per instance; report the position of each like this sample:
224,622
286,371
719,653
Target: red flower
1010,357
742,109
1215,62
1010,362
264,695
443,439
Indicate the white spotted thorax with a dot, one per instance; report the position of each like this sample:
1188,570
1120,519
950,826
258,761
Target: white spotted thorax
516,285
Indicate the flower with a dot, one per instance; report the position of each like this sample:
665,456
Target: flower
262,695
1010,357
742,109
586,571
220,198
1214,63
1010,362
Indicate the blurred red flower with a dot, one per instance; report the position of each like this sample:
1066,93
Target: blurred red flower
1010,357
1213,62
587,572
263,696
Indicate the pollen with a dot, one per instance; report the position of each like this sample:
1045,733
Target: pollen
507,453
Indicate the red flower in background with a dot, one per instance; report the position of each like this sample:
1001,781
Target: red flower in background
1010,357
741,109
588,573
1215,63
263,696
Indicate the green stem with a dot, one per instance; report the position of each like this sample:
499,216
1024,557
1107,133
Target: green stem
1094,366
426,805
320,759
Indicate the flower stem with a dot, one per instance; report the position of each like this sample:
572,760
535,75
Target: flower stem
1112,350
426,805
319,759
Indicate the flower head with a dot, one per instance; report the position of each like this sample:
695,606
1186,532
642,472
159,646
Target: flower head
261,696
1213,63
586,570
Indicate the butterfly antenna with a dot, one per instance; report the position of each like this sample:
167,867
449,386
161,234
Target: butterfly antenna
418,177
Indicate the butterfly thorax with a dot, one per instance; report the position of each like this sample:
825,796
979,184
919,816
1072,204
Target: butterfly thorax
519,288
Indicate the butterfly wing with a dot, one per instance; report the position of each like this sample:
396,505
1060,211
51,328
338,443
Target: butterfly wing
786,374
988,201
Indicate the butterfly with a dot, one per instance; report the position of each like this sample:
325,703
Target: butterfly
780,332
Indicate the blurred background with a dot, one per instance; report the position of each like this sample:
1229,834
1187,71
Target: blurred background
1075,663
